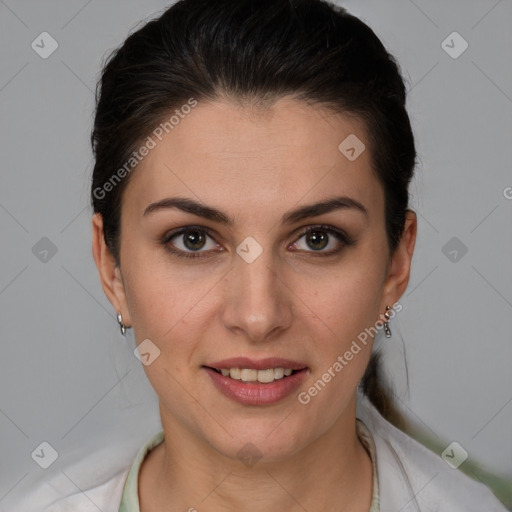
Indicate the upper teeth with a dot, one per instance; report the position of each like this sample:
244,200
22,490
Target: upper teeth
251,375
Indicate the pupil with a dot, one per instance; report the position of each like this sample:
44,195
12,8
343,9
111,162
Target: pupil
317,237
194,240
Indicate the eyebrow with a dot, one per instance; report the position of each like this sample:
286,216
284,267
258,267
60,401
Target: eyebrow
304,212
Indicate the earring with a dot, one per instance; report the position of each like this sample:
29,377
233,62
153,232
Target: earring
387,330
121,325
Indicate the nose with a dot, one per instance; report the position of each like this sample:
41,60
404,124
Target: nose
257,302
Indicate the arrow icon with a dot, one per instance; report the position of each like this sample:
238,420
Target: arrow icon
44,250
44,45
454,249
44,455
146,352
454,455
249,252
351,147
249,454
454,45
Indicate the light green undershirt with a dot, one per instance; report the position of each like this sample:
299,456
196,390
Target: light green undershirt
130,498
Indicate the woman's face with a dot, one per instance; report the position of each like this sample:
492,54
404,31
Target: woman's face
247,282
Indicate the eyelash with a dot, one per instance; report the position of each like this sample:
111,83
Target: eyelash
339,234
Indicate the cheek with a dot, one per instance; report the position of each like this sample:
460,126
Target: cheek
347,303
168,304
162,309
347,308
155,298
351,299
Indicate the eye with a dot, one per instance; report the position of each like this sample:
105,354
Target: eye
197,241
318,238
189,242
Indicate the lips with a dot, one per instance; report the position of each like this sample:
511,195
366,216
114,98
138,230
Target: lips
256,364
255,392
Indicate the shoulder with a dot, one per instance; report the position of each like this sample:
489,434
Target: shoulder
105,496
94,482
413,478
81,481
61,494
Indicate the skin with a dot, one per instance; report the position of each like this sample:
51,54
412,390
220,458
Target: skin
255,165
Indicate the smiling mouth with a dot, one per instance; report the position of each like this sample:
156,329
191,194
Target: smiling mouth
251,375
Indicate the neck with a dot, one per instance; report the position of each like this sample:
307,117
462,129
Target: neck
334,473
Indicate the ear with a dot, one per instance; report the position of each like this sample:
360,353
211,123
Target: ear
400,263
110,274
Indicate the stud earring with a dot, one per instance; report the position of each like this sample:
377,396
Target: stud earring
387,330
121,325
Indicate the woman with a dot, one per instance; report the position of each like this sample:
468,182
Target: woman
252,227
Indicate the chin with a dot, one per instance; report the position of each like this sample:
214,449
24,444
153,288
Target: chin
268,440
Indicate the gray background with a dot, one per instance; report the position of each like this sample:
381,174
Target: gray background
69,378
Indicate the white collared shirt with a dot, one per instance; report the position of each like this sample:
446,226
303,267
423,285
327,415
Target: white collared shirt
408,477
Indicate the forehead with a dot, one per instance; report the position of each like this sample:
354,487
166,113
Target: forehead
259,159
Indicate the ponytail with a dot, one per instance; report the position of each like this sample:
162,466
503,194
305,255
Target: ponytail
375,387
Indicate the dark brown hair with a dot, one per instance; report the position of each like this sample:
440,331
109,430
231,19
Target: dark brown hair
254,51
